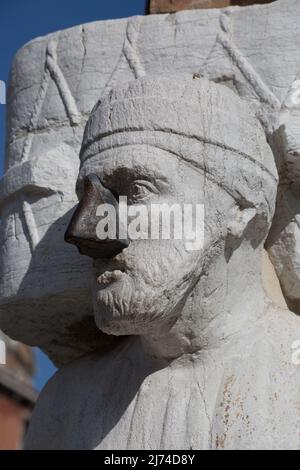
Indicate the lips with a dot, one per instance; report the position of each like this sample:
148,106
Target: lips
109,277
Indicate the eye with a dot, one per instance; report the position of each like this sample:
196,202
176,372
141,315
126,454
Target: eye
141,190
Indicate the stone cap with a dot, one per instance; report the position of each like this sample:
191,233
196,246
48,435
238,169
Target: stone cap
182,105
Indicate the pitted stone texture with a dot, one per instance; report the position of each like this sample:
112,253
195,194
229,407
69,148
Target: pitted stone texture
243,395
55,82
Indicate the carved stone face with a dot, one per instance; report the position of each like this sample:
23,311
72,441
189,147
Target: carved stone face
143,287
180,150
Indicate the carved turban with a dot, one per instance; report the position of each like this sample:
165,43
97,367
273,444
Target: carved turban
205,124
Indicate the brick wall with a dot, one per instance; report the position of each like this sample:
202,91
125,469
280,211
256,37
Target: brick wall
13,418
17,396
168,6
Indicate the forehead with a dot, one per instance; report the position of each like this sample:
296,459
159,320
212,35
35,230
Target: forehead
141,159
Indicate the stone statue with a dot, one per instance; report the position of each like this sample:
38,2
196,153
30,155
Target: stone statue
201,338
45,297
204,359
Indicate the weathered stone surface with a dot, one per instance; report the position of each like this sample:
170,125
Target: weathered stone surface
206,358
168,6
242,395
55,82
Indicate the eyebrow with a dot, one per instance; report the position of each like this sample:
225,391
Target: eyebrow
101,140
124,165
202,169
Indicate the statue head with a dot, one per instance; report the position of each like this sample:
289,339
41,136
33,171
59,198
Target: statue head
164,140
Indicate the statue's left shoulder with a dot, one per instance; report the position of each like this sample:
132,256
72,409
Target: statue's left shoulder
282,336
282,323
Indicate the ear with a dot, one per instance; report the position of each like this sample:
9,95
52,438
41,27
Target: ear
239,220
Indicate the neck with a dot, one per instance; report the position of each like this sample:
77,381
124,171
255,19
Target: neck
227,299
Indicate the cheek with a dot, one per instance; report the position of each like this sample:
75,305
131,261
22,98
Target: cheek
160,263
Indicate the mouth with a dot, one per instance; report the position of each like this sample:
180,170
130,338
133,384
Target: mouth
110,277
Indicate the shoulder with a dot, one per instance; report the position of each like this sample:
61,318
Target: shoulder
282,324
60,405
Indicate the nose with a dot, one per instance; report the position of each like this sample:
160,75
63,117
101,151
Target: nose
82,227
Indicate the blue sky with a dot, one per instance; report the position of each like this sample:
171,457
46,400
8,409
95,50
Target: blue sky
23,20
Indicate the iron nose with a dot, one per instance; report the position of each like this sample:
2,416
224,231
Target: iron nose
82,227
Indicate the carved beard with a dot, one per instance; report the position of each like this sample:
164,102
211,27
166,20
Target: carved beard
145,297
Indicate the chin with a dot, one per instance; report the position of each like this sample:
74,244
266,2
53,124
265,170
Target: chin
122,310
138,302
121,327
